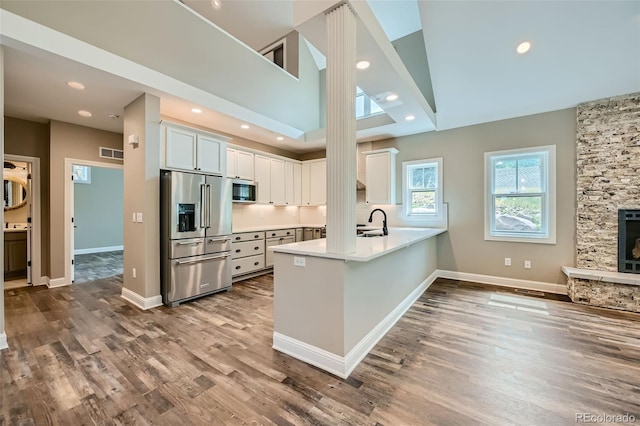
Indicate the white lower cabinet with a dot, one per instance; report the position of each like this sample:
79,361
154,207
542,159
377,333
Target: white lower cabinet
276,242
250,252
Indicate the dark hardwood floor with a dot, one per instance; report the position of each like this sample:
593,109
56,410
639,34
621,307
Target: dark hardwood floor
462,355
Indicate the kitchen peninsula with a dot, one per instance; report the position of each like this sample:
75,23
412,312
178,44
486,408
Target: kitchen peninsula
331,309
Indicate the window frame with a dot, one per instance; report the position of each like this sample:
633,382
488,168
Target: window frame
548,195
406,190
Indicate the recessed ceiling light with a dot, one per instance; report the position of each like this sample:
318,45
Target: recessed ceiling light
216,4
85,113
196,110
391,97
523,47
244,126
75,85
280,138
362,65
410,117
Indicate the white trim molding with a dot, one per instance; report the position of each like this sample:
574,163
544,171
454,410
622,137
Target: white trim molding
143,303
57,282
98,250
343,366
504,282
3,341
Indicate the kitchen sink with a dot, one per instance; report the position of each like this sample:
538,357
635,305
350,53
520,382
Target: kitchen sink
369,235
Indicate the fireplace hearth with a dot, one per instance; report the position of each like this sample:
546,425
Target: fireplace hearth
629,241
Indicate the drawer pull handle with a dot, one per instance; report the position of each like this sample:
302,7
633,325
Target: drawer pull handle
189,243
238,251
256,264
256,236
257,248
238,267
237,238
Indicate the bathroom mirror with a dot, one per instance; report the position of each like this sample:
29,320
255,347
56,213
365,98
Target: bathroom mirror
15,194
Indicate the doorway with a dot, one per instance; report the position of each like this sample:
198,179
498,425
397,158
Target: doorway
96,236
21,227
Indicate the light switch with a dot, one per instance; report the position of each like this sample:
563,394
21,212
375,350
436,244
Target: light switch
134,217
139,217
299,261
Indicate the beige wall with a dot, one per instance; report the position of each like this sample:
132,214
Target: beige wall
77,142
463,248
142,195
31,139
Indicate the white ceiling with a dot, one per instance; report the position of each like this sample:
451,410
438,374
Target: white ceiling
581,51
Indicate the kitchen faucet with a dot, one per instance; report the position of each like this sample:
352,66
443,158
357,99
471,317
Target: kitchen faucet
385,231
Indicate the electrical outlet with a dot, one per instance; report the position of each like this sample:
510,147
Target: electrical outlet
299,261
527,264
507,261
133,272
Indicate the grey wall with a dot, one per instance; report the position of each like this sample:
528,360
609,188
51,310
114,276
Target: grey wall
463,248
98,209
413,53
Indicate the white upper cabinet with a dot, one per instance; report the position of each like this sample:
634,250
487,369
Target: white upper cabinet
277,182
192,150
381,176
263,178
240,164
314,182
297,184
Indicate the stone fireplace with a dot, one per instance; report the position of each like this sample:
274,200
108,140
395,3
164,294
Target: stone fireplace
608,181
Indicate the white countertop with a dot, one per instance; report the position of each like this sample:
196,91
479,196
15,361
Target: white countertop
366,248
274,227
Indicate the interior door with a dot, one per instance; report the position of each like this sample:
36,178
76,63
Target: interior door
29,216
72,230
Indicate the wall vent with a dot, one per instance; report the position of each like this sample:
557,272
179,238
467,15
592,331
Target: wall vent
114,154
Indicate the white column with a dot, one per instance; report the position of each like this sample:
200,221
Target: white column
341,131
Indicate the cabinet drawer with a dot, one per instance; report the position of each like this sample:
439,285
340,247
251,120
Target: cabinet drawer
247,248
247,236
281,233
245,265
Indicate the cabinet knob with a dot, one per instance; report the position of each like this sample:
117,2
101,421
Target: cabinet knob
256,236
238,251
257,248
237,238
257,263
238,267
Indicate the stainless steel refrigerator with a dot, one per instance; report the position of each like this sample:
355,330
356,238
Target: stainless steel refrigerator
195,246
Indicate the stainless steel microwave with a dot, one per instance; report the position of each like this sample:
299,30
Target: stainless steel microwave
244,192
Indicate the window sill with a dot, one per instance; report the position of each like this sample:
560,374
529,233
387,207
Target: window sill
521,239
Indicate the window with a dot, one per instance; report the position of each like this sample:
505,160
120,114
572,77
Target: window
81,174
365,107
520,195
422,188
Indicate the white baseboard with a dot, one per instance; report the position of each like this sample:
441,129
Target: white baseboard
43,281
57,282
3,341
343,366
97,250
504,282
143,303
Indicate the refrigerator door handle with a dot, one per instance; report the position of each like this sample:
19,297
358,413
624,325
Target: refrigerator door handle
203,209
217,240
202,259
208,205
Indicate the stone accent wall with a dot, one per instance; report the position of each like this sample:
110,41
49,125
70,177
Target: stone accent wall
606,295
608,176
